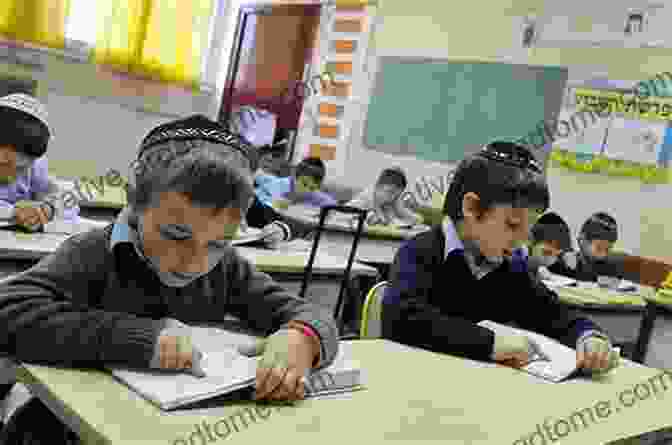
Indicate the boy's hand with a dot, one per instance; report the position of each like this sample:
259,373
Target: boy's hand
175,351
281,203
596,355
511,350
273,234
28,215
288,357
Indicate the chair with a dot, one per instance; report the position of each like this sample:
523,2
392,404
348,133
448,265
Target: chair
372,312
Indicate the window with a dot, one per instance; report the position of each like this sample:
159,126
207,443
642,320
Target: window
81,25
80,32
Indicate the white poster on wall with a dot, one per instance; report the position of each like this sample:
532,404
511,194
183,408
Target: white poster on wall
635,140
584,134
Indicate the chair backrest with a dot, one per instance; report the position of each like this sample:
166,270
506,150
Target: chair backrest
371,326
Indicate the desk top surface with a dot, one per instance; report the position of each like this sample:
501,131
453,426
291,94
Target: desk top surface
19,246
342,223
592,296
479,403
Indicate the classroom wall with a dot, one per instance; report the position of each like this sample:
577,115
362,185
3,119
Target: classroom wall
99,119
451,30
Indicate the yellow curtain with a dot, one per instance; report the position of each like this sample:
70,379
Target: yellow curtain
165,40
41,22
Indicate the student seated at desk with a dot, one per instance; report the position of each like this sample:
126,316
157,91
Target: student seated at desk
113,296
443,282
384,200
593,259
551,244
303,187
28,197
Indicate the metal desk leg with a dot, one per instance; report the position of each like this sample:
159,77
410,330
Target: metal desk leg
645,331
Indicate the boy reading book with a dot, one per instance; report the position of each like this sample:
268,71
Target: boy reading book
28,197
105,297
445,281
551,243
593,259
303,187
384,200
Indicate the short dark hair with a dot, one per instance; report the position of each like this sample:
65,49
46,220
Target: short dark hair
551,227
503,173
600,226
393,176
26,133
210,174
312,167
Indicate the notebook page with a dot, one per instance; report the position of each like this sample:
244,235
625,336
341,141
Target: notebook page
344,375
225,370
562,359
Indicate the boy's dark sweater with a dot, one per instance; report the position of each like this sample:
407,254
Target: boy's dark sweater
87,305
435,303
587,270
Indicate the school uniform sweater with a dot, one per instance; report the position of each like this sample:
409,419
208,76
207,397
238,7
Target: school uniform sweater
577,266
33,184
435,300
96,302
269,188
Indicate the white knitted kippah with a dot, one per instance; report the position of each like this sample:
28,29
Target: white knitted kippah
27,104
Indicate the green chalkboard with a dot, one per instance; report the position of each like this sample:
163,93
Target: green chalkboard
440,110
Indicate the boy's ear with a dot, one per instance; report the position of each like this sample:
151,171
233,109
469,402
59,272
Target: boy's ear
471,206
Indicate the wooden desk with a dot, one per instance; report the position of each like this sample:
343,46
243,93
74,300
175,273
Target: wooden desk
453,401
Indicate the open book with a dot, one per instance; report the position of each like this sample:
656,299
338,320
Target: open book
227,371
550,359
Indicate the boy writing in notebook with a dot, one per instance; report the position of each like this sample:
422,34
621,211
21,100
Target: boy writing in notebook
384,200
303,187
28,197
445,281
113,296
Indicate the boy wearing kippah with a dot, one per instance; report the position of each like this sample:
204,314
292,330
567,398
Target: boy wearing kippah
28,197
551,244
597,237
445,281
126,294
384,200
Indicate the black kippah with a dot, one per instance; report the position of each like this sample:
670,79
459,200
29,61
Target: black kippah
600,226
551,227
196,127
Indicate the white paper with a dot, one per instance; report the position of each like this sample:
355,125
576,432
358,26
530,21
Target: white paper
227,370
635,140
562,359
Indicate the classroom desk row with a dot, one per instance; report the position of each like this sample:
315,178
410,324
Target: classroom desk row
411,396
18,252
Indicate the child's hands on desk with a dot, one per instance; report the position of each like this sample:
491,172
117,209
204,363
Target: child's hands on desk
513,350
288,356
30,215
174,350
595,354
281,203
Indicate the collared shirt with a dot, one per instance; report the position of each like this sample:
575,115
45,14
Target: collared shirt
475,260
